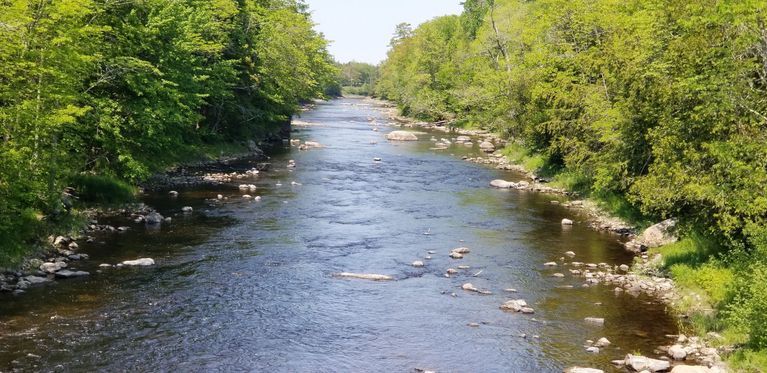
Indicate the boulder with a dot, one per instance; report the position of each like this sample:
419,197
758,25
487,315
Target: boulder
153,218
655,236
71,274
640,363
503,184
487,147
401,136
139,262
51,267
365,276
187,209
34,280
567,222
514,305
602,342
592,350
417,264
677,352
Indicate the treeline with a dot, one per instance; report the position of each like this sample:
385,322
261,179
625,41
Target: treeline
660,103
357,78
119,88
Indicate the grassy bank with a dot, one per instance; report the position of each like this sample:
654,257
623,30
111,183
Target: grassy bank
95,191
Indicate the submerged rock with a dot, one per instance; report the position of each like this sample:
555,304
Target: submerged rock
365,276
401,136
71,274
153,218
139,262
595,320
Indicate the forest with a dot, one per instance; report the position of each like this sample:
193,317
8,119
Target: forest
656,108
98,95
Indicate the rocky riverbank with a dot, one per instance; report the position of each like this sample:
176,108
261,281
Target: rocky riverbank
59,257
635,279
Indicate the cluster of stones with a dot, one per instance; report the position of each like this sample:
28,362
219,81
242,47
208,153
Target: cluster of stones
306,145
227,177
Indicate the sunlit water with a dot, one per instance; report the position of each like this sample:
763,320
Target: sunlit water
248,286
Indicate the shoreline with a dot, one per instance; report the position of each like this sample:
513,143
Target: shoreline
56,257
633,279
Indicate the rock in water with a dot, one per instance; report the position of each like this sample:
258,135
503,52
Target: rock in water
677,352
139,262
51,267
487,147
153,218
567,222
583,370
640,363
602,342
515,305
70,274
417,264
502,184
187,209
365,276
595,320
401,136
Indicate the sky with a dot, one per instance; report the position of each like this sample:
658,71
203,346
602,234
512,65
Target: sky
360,30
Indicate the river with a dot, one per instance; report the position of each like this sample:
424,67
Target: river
242,285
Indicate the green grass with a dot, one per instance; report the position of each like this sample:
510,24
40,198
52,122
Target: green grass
748,361
102,189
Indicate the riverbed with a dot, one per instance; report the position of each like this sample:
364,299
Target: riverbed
244,285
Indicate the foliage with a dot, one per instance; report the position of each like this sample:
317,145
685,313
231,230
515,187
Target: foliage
118,88
657,107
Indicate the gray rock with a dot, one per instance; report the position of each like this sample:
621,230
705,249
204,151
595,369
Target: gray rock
595,320
417,264
487,147
365,276
503,184
401,136
187,209
677,352
592,349
602,342
640,363
34,280
51,267
139,262
71,274
153,218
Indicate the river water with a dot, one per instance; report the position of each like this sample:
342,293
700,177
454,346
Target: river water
249,286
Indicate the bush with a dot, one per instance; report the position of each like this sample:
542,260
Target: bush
102,189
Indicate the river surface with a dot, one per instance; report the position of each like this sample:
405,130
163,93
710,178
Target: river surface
248,286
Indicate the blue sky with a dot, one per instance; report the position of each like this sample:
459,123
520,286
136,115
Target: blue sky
360,30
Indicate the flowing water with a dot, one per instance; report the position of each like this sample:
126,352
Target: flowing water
249,286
